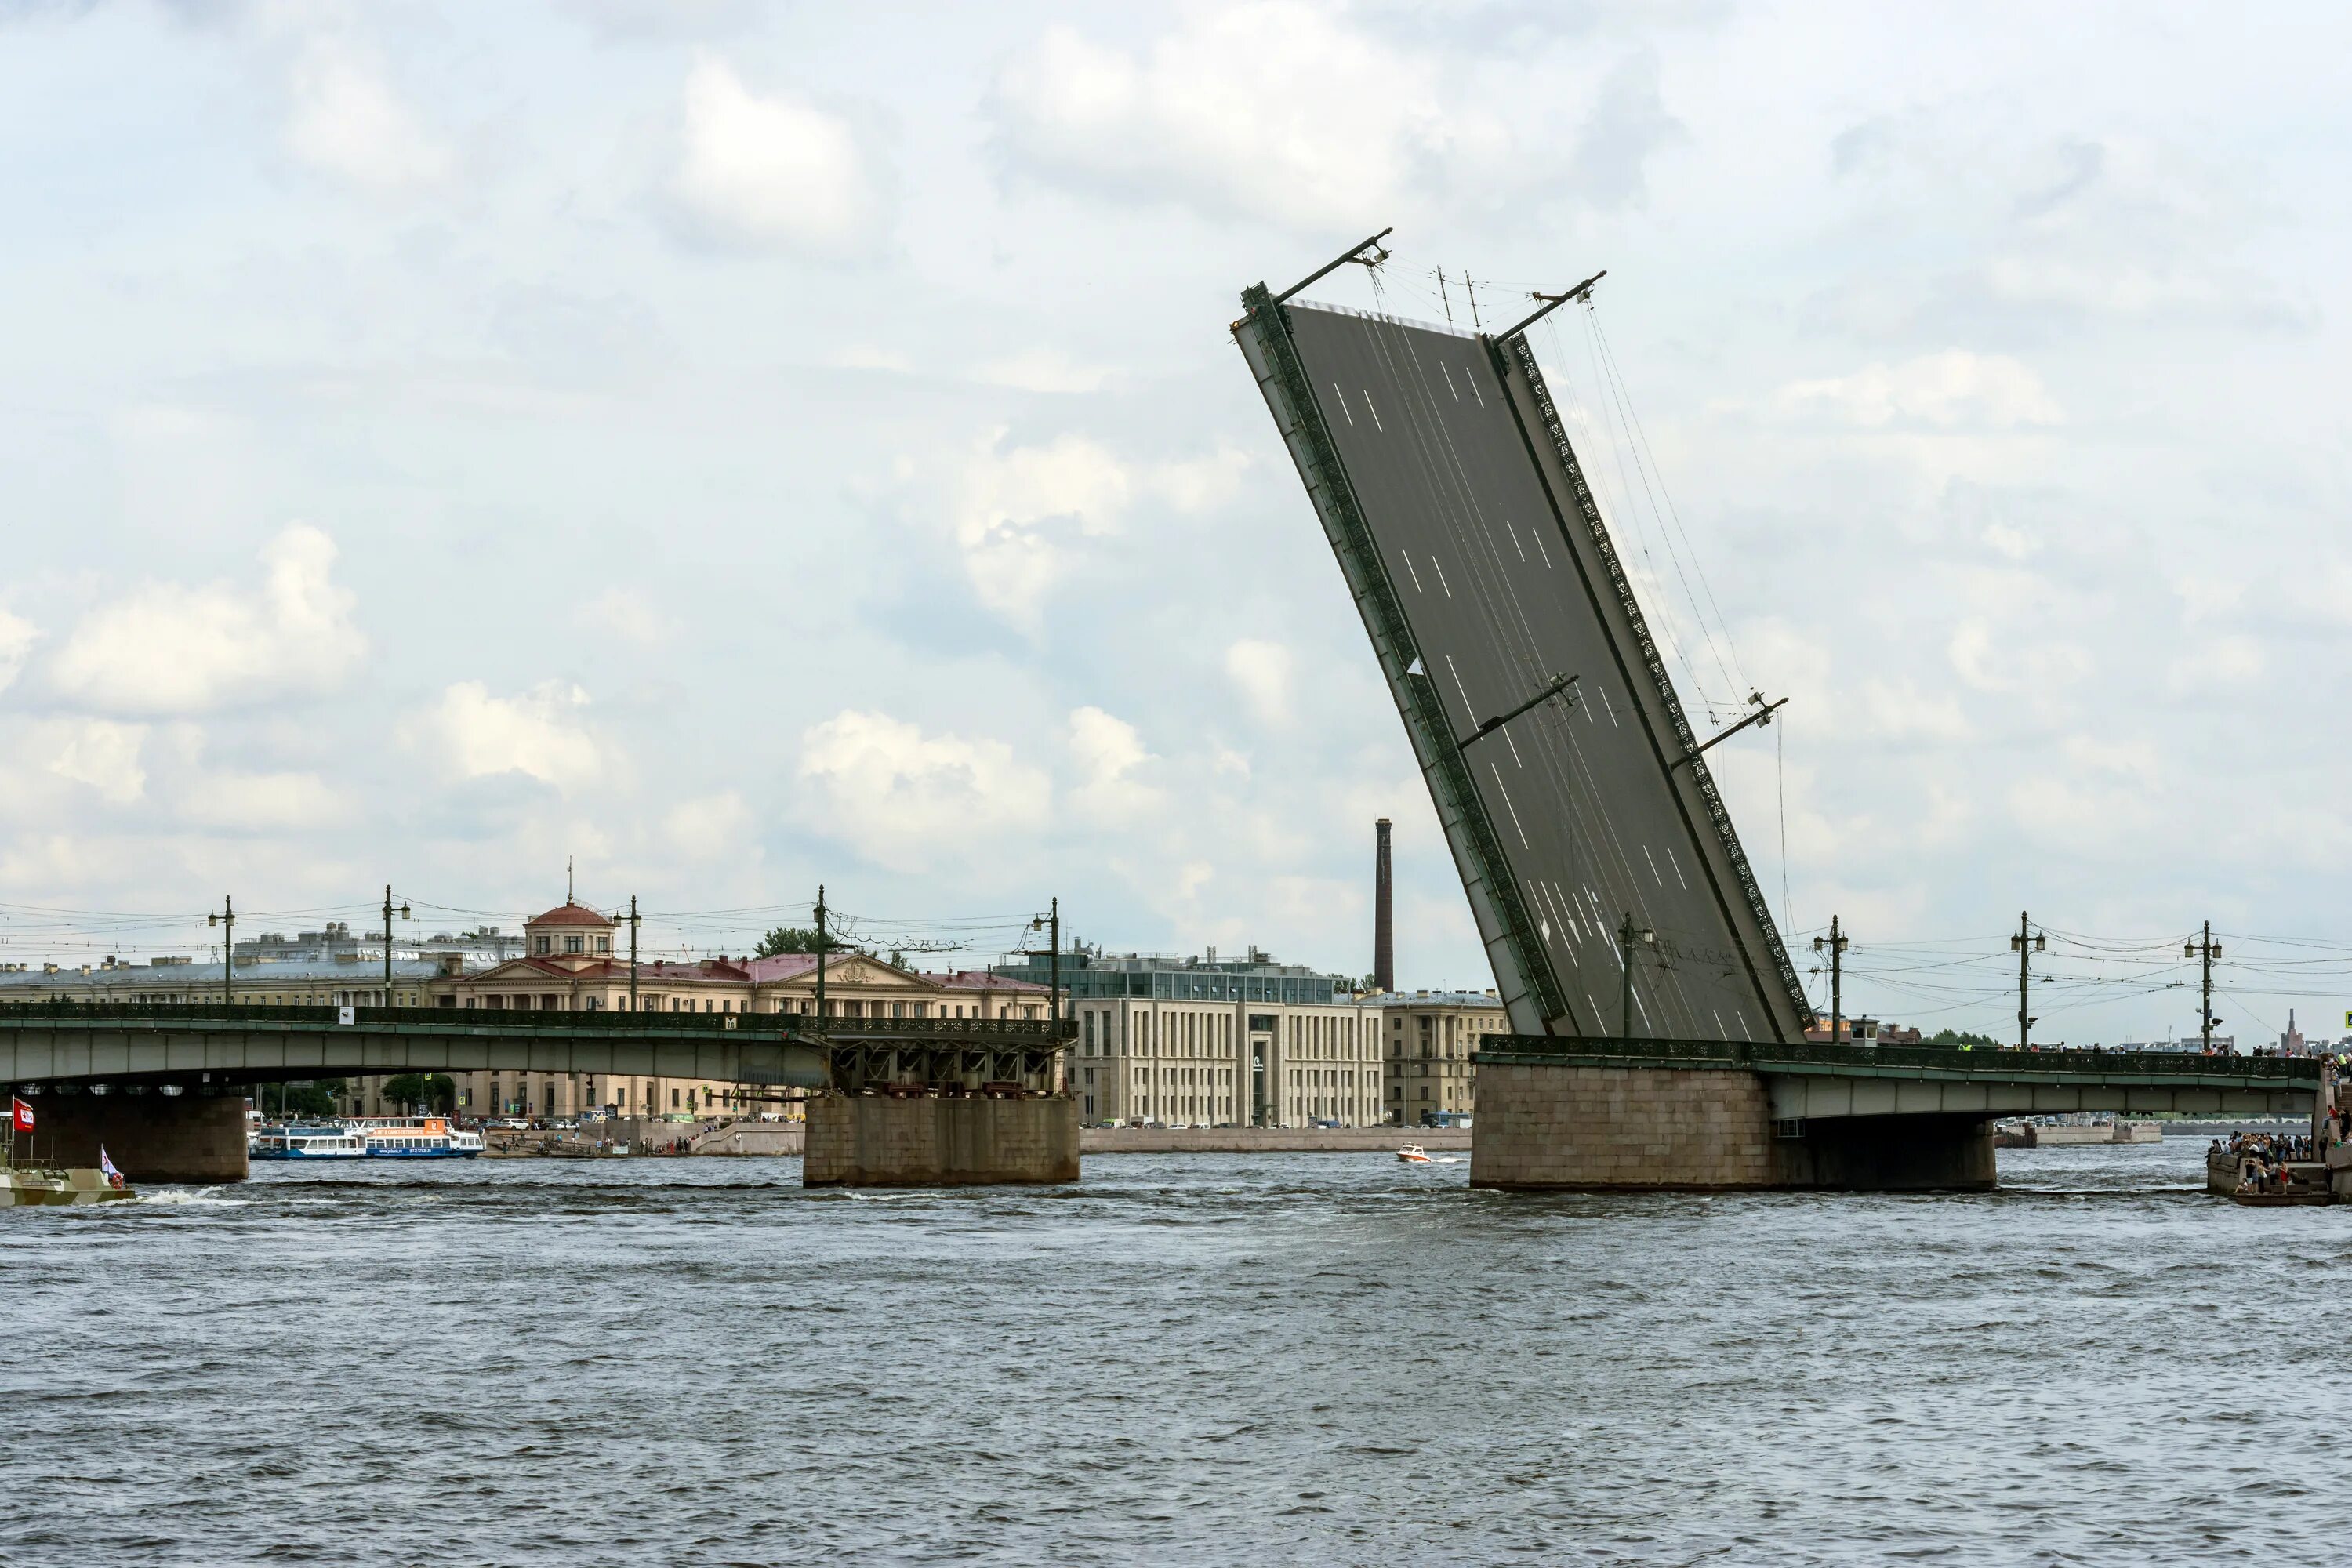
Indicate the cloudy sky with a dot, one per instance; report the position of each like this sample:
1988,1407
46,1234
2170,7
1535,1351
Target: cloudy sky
739,445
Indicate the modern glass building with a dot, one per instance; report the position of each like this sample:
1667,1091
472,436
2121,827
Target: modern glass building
1091,974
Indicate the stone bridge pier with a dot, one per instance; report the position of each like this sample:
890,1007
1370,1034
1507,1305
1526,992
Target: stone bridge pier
150,1136
1600,1115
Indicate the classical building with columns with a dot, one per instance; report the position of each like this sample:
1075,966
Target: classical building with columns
1215,1042
569,965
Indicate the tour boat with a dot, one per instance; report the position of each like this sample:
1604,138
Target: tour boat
307,1143
1412,1154
421,1138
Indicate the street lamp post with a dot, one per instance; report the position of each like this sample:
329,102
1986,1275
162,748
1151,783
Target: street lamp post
225,916
387,940
1629,937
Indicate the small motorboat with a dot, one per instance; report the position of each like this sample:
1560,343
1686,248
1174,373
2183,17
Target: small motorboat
1414,1155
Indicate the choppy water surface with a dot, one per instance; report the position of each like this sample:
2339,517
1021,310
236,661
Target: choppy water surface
1307,1358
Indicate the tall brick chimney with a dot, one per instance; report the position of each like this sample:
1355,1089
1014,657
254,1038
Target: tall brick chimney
1383,914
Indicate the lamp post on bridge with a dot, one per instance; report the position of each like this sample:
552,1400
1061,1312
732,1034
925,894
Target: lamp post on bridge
1835,944
1630,936
387,940
2025,944
2208,950
225,916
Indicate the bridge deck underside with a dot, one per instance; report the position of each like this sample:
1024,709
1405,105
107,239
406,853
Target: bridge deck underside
196,1044
1822,1082
1812,1098
1490,583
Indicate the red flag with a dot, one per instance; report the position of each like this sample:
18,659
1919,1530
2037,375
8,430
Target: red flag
20,1114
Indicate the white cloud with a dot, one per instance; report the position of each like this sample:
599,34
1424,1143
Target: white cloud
165,648
772,171
1108,752
903,799
1289,113
1017,511
1947,390
537,732
98,753
710,827
1262,670
347,121
17,638
1011,506
257,802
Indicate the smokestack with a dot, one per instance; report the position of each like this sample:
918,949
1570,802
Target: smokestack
1383,914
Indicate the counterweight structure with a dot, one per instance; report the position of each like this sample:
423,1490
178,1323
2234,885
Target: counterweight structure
1564,770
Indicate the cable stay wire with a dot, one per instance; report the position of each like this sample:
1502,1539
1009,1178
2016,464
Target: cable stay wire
1670,523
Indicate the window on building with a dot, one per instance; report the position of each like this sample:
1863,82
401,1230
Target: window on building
673,1098
603,944
541,946
573,944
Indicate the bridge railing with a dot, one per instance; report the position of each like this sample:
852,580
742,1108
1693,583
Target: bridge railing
53,1011
1773,1057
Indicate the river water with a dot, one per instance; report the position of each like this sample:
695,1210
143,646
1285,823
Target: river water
1186,1359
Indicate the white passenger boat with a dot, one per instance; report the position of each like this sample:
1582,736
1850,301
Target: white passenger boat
1414,1155
307,1143
421,1138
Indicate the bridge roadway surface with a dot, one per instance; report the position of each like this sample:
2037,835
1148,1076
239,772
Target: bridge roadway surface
1813,1082
193,1045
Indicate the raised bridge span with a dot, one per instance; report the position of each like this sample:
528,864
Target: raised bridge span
163,1084
1577,802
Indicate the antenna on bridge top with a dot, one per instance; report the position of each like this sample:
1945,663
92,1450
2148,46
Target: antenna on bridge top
1554,301
1354,253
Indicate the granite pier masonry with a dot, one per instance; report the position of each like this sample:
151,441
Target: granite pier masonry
1582,1114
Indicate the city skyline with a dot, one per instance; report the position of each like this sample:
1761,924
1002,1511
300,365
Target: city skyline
696,439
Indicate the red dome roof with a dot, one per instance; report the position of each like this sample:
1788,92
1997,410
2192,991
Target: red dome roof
569,915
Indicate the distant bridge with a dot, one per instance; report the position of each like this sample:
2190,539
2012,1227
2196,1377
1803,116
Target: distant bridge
191,1046
1813,1082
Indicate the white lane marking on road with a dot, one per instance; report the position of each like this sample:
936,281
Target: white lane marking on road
1743,1023
1678,868
1642,1008
1375,413
1515,748
1416,576
1567,905
1343,403
1449,381
1718,1023
1496,769
1474,387
1468,711
1441,576
1515,544
1604,697
1596,1009
1540,549
1653,866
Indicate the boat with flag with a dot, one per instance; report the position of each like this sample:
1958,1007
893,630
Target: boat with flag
34,1184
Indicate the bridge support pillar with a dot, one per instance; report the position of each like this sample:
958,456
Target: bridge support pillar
151,1137
1545,1126
880,1141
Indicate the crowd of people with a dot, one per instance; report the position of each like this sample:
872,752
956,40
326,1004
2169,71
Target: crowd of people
2262,1158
